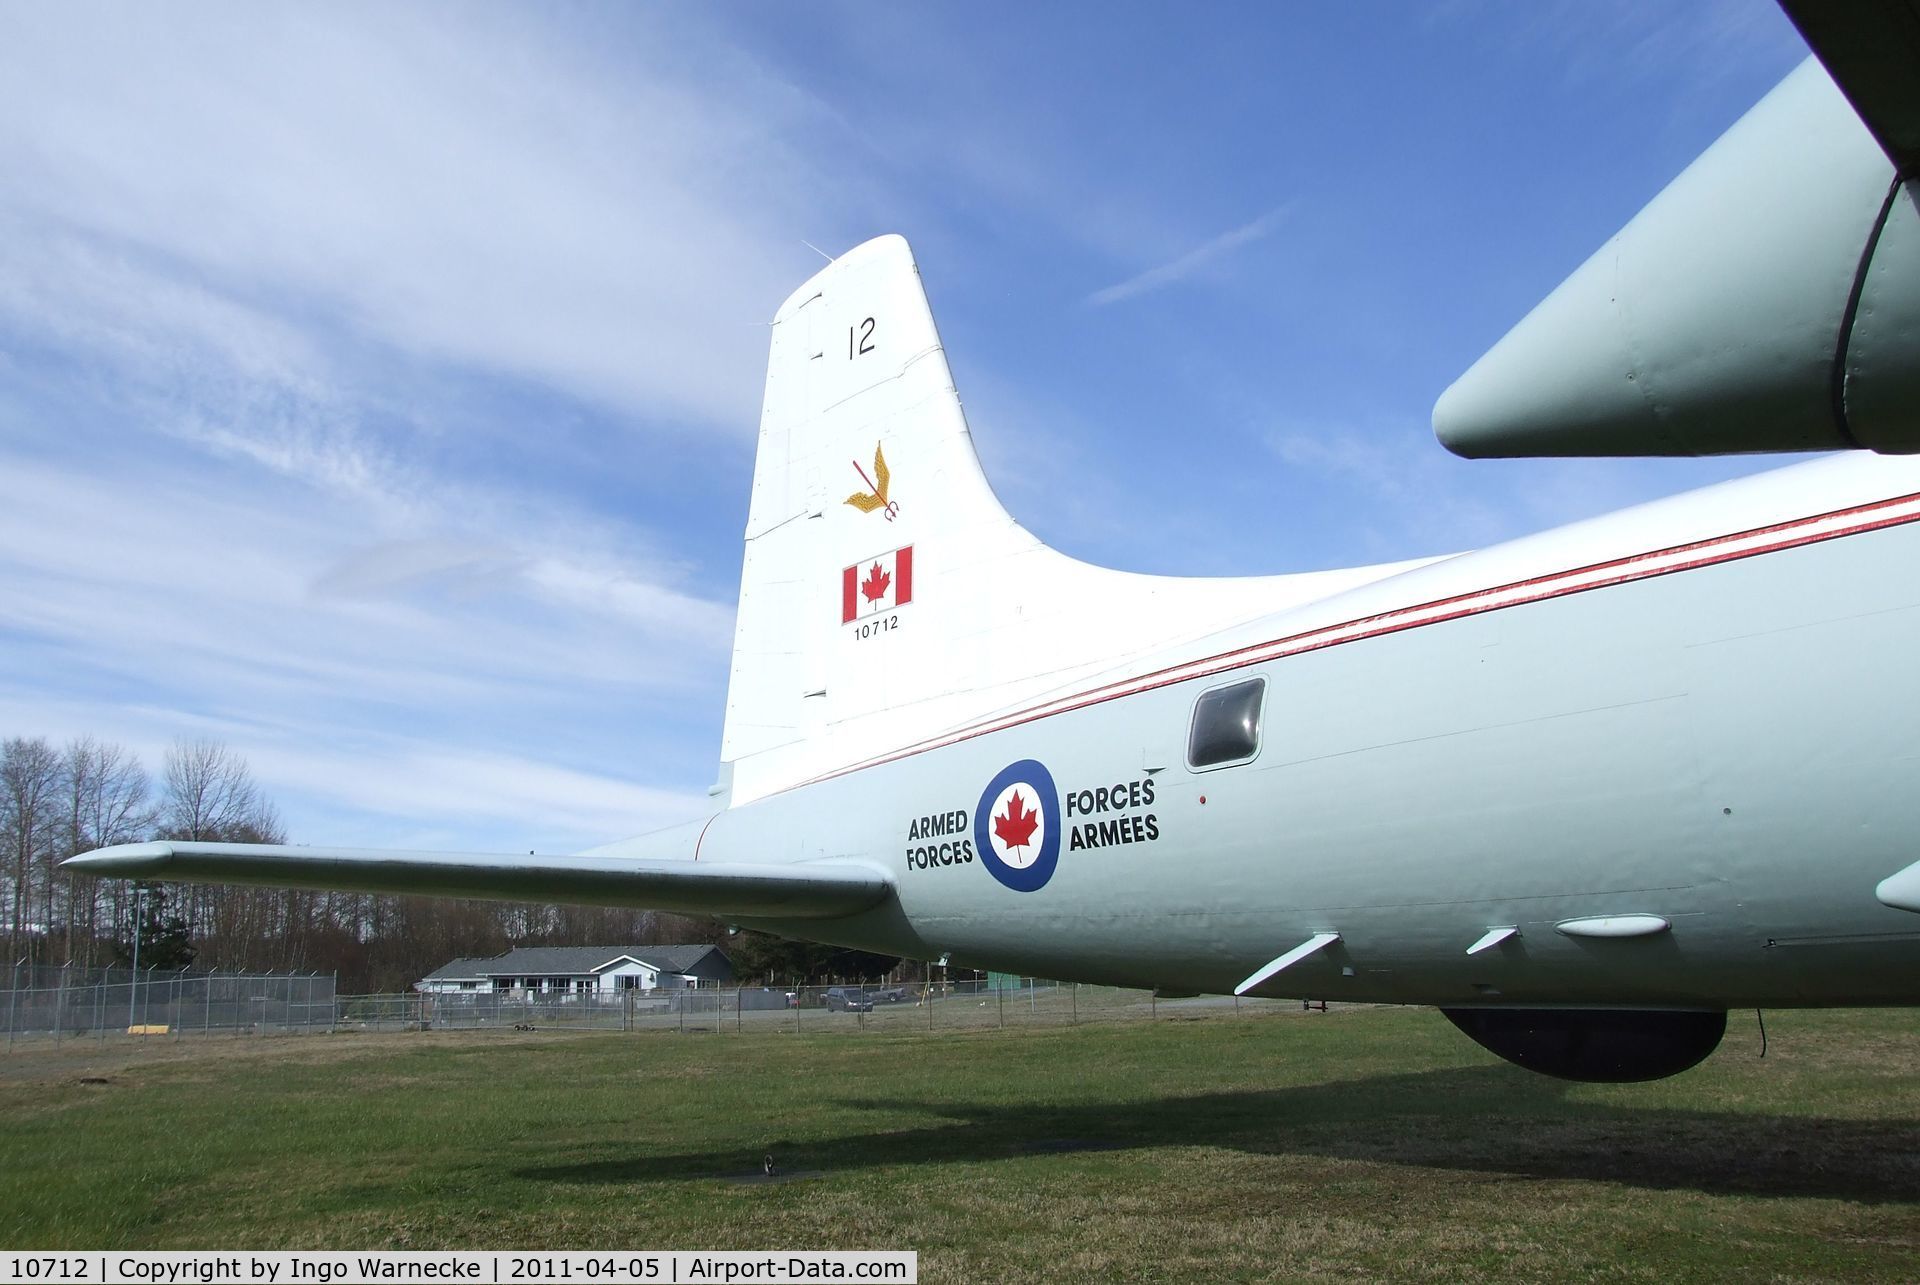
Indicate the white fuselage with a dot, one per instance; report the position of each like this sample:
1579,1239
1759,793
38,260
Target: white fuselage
1700,710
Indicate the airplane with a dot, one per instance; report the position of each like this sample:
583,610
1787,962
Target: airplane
1585,791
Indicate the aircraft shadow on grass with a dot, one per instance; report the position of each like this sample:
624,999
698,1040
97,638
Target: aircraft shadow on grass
1483,1120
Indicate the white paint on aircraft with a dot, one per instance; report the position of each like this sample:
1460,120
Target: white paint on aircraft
1613,926
944,740
1317,942
1901,891
1492,938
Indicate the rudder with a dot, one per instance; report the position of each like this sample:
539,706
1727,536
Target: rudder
865,483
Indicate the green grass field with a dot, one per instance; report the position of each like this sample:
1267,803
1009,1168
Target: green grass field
1353,1145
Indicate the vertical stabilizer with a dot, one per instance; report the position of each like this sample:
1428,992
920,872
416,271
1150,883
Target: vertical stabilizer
865,486
886,596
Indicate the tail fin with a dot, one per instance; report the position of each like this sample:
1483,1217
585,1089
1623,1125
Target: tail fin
866,488
886,596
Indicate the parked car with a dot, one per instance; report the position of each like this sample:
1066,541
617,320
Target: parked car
891,995
847,999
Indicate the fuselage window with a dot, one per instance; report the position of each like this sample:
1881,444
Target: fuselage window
1226,725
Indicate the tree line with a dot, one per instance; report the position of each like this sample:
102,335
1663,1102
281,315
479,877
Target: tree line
56,802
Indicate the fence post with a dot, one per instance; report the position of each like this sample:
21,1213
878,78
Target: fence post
1153,1003
13,1003
1001,991
100,1007
60,1005
173,1010
206,1004
739,1018
333,1003
1076,1005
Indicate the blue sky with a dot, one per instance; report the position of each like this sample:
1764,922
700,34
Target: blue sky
377,384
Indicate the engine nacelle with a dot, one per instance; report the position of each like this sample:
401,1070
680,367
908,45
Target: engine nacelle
1767,300
1601,1045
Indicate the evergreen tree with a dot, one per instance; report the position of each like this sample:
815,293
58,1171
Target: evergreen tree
780,959
166,943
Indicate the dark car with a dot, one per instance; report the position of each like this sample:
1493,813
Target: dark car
847,999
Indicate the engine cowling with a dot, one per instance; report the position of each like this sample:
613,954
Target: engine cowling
1598,1045
1767,300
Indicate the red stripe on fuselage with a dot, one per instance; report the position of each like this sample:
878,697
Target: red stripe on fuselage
1713,551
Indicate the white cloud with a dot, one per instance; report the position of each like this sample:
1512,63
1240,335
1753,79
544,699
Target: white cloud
278,615
516,798
271,281
475,192
303,310
1193,261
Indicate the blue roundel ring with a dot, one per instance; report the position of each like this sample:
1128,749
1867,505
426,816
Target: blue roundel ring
1034,775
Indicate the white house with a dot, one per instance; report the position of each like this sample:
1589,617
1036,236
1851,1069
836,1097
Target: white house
574,969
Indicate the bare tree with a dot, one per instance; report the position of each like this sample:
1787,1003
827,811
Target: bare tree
55,804
29,792
107,802
210,795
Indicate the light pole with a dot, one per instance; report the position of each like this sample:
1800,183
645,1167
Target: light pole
133,996
13,1002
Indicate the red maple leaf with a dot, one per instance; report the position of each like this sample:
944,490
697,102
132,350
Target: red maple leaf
1016,828
875,585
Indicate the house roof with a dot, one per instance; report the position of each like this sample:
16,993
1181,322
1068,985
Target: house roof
573,961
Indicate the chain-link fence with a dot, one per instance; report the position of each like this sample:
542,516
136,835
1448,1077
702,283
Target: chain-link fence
103,1004
906,1006
62,1004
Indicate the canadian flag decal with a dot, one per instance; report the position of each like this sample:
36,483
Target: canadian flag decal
876,585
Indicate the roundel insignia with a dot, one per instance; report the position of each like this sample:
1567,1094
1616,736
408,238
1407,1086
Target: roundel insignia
1016,828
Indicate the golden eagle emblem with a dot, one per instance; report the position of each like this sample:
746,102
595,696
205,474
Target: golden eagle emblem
875,497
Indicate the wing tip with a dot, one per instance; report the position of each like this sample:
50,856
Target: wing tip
120,859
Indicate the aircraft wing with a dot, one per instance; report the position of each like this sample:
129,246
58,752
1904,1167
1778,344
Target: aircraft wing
809,890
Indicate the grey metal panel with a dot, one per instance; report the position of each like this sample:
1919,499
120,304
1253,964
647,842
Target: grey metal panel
1883,349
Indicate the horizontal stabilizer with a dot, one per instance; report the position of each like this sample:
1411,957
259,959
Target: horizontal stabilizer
815,890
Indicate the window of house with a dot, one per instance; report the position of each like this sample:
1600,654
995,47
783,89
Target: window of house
1226,725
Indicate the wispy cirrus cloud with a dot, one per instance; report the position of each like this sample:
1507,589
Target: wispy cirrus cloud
1194,261
336,342
490,193
378,383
